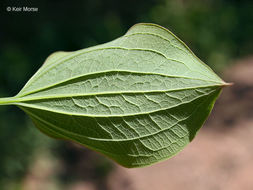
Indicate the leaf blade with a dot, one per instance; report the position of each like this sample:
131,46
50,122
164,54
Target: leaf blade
139,99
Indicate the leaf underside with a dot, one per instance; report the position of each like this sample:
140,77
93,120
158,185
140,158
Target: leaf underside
138,99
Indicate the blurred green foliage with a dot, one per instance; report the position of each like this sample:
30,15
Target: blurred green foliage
218,31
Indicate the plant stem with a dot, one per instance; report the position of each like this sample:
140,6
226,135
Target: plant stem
7,101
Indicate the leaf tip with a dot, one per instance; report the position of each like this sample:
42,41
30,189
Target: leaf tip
225,84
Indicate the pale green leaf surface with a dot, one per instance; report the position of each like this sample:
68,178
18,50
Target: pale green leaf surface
139,99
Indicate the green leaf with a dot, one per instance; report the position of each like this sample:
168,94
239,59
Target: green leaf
139,99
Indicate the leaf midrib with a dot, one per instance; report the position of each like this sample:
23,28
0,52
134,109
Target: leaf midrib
108,116
105,93
112,71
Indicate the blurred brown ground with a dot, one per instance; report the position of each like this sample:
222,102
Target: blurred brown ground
219,158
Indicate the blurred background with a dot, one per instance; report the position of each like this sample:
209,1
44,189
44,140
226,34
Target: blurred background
220,32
